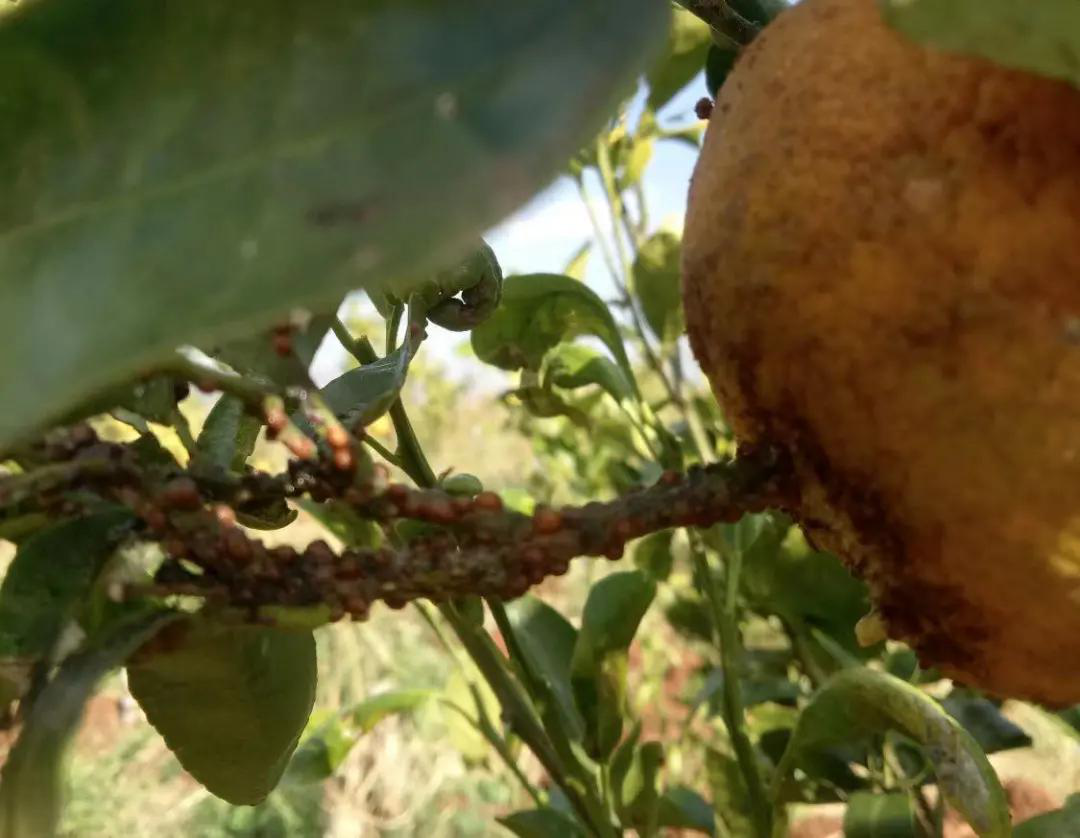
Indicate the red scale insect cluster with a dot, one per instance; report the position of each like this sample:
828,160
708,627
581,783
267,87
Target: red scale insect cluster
474,545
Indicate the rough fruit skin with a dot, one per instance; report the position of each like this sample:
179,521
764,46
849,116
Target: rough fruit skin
882,275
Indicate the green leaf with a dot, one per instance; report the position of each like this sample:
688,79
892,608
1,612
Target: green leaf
370,712
51,574
870,815
638,799
652,555
30,785
198,170
230,701
858,702
683,58
542,823
333,736
731,800
321,751
1056,824
575,268
684,808
227,437
545,403
1041,37
538,312
783,575
657,284
613,611
547,640
363,394
571,365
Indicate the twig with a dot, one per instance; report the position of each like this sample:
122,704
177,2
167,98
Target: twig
727,628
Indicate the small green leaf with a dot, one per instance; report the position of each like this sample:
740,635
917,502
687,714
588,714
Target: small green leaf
362,395
783,575
858,702
871,815
1041,37
52,572
333,735
684,808
658,287
542,823
477,280
652,555
547,639
321,750
30,785
538,312
613,610
230,701
198,170
579,262
227,438
371,711
545,403
571,365
639,798
1056,824
683,58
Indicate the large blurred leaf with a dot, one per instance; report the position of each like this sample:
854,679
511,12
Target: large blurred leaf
683,58
193,171
613,610
230,701
860,701
51,573
657,285
538,312
1042,37
30,786
547,639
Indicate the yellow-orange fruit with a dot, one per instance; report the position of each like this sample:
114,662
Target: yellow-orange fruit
882,275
